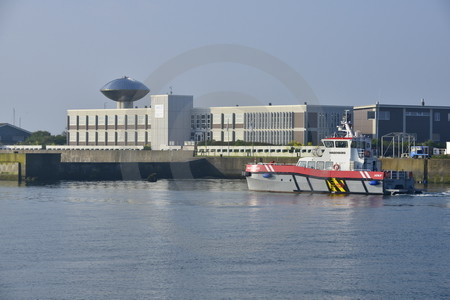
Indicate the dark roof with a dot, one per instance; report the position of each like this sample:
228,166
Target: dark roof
15,127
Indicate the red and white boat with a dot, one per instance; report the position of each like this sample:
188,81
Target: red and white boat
343,164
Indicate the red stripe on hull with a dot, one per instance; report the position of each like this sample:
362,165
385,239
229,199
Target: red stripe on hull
292,169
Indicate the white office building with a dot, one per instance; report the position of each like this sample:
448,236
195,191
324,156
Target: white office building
171,120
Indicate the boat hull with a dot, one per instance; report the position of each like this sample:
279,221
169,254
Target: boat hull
295,183
294,179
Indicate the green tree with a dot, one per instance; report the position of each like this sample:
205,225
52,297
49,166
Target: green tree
294,144
433,144
42,137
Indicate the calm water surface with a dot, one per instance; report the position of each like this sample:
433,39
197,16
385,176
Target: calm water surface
214,239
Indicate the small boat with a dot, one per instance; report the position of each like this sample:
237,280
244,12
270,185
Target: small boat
343,164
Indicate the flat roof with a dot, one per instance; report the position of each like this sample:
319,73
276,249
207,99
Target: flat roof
401,106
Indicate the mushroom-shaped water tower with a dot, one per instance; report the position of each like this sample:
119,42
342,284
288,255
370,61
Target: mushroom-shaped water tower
125,91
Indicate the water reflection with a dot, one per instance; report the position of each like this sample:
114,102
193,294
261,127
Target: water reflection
320,200
212,239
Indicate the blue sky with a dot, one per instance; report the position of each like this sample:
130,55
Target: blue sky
56,55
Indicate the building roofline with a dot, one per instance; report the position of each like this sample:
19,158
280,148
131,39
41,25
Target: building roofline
282,105
14,126
401,106
108,109
171,95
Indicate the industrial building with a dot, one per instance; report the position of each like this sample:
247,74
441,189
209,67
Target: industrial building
424,122
11,134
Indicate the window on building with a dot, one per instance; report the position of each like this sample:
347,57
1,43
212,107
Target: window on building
384,115
417,114
370,115
437,116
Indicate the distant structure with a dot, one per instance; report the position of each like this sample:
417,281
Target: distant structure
422,121
164,123
125,91
10,134
171,121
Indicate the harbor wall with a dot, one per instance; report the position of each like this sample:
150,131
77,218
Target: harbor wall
424,170
125,156
10,171
29,166
94,156
170,166
132,164
198,168
438,170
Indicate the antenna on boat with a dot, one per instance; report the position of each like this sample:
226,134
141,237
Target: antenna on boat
346,124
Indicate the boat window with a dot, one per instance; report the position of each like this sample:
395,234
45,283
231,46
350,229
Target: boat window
341,144
328,165
302,163
328,144
319,165
311,164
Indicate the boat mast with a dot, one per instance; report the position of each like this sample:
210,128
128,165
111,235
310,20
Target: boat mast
346,125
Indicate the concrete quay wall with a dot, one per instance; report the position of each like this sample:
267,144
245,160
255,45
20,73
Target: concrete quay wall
132,164
424,170
86,156
29,166
10,171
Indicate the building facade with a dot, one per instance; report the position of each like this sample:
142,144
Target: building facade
171,120
424,122
277,125
10,134
165,123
